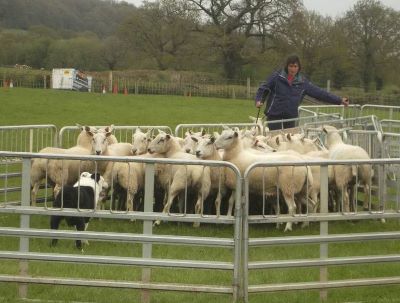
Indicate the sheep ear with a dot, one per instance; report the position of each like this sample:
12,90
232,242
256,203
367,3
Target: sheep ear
203,132
324,130
79,126
194,139
277,140
138,130
160,131
215,134
225,127
289,137
148,133
168,136
110,128
212,139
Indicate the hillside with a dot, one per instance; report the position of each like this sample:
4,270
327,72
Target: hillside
100,17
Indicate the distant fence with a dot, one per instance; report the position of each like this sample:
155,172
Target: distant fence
222,88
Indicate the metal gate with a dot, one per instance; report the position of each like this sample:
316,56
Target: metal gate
28,234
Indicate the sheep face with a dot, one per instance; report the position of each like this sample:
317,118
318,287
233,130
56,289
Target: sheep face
160,144
100,142
205,148
140,141
332,137
227,139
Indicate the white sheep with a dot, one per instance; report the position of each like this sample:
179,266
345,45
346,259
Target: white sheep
62,172
297,143
196,177
207,150
140,141
345,175
58,171
290,180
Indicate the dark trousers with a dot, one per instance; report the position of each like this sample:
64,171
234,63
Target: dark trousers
274,125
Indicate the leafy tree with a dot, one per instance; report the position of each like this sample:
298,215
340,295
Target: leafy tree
373,36
160,29
113,51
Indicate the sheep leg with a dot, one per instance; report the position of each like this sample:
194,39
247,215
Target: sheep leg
346,199
291,204
218,204
34,192
129,200
54,224
366,196
173,192
198,208
231,202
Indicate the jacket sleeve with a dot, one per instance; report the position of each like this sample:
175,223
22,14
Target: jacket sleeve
321,94
265,87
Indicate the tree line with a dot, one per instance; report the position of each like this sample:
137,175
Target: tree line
234,38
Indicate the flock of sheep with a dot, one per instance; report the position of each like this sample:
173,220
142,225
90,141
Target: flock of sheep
299,186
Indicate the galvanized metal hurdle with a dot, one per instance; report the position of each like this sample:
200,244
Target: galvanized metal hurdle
181,129
323,284
351,111
382,111
69,134
209,128
27,138
21,138
25,233
301,121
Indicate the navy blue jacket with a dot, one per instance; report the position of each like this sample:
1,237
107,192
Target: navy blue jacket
284,99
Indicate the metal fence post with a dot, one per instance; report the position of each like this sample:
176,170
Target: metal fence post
147,226
323,271
24,223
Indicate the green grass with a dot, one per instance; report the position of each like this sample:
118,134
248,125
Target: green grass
36,106
21,106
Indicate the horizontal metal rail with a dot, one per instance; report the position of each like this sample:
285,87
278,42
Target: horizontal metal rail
325,239
118,284
114,260
145,216
323,262
117,237
323,285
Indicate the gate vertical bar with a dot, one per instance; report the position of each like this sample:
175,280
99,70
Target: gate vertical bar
245,242
24,223
147,226
323,250
238,268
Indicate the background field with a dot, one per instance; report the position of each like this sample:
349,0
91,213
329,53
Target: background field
37,106
30,106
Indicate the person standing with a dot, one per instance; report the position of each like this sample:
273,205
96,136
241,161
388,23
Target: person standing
286,89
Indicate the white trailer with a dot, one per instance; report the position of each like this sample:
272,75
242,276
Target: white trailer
71,79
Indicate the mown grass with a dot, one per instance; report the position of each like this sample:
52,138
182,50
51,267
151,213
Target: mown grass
28,106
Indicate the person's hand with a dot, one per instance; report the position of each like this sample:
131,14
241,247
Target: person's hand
259,104
345,101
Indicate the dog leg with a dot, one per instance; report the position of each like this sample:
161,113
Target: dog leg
54,224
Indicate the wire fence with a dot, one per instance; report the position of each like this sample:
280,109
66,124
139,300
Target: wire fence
202,87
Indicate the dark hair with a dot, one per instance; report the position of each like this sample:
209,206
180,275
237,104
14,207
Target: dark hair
292,60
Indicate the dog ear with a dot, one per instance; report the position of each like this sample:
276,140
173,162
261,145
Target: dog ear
95,177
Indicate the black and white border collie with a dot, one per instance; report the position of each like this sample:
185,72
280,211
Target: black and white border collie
87,191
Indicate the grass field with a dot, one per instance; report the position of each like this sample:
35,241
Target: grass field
36,106
29,106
